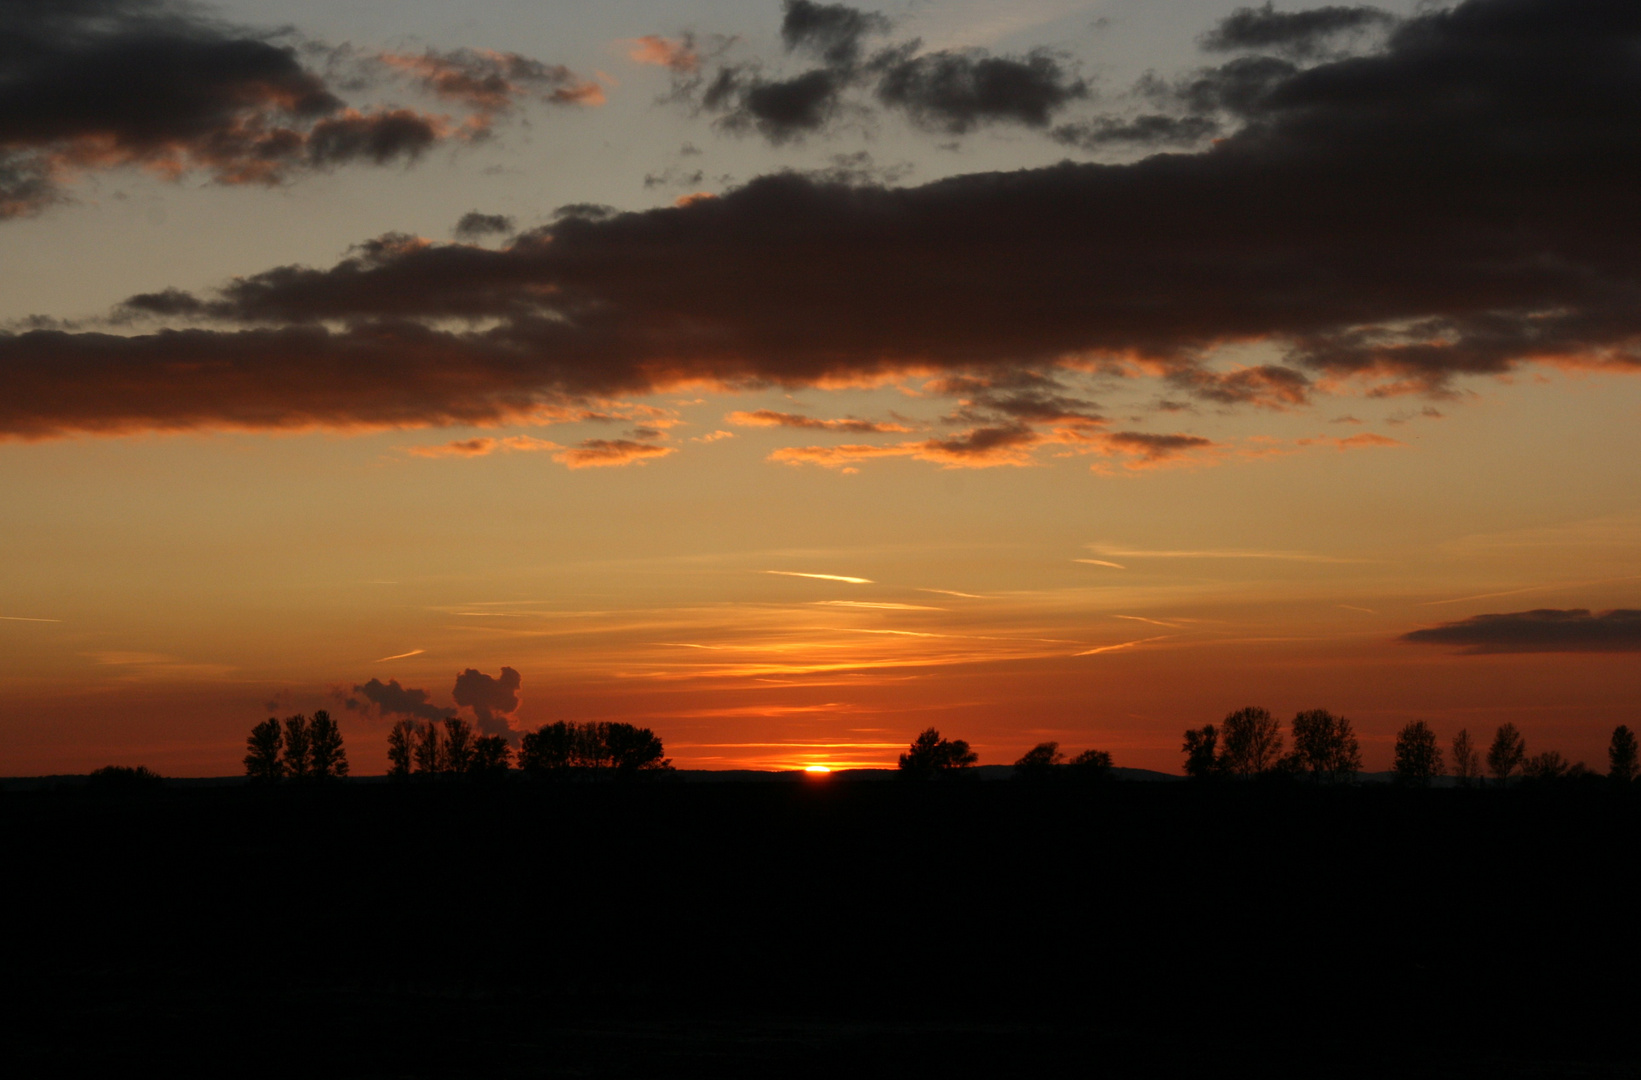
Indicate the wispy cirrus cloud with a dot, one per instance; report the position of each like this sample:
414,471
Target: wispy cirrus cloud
771,418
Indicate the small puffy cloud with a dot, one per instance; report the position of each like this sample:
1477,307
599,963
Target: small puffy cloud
1547,630
492,699
955,92
391,701
981,448
476,226
490,82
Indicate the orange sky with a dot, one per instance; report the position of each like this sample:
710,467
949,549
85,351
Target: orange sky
980,413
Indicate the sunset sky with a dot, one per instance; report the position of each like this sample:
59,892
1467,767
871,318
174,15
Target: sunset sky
789,378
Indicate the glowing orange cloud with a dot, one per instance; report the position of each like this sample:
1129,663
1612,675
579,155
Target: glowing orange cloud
678,54
597,453
771,418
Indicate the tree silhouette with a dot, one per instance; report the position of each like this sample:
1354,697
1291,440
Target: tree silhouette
1466,761
1506,755
298,759
634,749
401,747
1621,757
1325,745
458,745
429,750
124,778
548,750
1250,742
1039,762
1202,753
1418,758
594,749
491,755
328,756
1545,767
1091,765
262,747
930,755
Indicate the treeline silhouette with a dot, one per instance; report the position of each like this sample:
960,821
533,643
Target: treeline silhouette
299,750
1249,743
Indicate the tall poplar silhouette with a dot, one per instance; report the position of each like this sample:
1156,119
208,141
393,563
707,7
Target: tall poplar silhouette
298,756
401,746
1507,754
458,745
1466,760
262,747
328,757
429,751
1621,757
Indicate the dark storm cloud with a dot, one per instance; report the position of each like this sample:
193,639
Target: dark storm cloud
392,700
832,31
949,91
955,92
1298,33
1543,630
1458,204
475,226
491,698
1149,130
91,84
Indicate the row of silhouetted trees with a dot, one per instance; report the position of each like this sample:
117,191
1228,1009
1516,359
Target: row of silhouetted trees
1250,742
300,749
451,748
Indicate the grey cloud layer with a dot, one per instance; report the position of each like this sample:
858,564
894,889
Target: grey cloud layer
1456,204
1542,630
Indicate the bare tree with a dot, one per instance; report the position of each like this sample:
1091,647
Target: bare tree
1621,757
1506,755
329,757
930,755
429,750
262,752
1039,762
1418,758
1325,745
298,757
1466,761
458,745
1202,753
1250,742
401,745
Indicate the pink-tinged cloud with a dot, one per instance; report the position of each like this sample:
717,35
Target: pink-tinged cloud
490,82
679,54
597,453
771,418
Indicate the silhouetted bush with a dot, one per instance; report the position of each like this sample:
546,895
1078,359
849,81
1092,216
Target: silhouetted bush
930,755
1418,758
1545,767
114,778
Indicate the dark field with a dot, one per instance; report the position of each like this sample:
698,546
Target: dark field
813,929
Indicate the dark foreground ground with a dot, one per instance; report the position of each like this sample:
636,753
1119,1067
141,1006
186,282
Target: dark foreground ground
819,929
